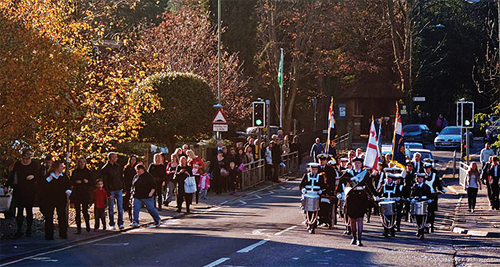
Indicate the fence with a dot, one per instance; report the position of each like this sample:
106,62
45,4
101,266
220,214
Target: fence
291,162
462,172
343,142
253,174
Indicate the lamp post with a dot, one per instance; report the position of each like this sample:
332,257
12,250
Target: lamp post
218,49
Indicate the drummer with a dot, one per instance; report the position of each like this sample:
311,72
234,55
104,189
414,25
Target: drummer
433,181
409,179
357,197
420,191
312,181
393,192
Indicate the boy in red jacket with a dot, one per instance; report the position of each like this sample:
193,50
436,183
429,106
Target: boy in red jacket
99,197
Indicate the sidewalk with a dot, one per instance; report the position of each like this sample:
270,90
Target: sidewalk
11,249
483,222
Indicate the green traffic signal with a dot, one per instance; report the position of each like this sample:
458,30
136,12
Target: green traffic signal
467,122
258,122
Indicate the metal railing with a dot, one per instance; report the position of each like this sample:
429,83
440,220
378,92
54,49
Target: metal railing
253,174
462,172
291,161
343,142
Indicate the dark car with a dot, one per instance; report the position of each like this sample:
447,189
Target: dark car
419,133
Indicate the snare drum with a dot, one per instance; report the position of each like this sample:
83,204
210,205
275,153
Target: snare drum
387,208
418,208
310,202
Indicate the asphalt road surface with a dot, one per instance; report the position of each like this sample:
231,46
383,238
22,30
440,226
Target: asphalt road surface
266,229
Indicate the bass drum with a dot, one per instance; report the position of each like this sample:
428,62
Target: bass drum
387,208
310,202
418,208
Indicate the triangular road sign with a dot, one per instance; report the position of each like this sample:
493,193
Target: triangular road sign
219,118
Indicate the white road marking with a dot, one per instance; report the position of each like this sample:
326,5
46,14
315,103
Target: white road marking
286,230
243,202
223,203
251,247
112,244
257,196
217,262
282,187
329,250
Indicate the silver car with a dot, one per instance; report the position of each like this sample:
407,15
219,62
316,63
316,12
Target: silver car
449,137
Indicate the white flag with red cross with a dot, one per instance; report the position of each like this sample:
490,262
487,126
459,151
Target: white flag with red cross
372,152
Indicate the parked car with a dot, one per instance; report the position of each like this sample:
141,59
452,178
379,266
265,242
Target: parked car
411,145
386,149
450,137
417,133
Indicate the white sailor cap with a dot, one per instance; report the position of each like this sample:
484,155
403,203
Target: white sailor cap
313,165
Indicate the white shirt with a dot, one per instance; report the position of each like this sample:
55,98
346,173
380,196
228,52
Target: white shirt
485,155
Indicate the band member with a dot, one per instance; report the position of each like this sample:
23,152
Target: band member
312,181
420,191
329,176
409,180
357,189
393,192
433,181
343,164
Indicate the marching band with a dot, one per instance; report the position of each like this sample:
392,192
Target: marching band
349,190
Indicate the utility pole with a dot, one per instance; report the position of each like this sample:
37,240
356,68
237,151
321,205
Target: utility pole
218,48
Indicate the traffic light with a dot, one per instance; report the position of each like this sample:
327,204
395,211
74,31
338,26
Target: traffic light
259,114
468,111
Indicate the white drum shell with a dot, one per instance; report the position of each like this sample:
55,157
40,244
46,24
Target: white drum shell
310,202
419,208
387,208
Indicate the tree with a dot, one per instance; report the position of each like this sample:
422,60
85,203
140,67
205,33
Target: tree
186,108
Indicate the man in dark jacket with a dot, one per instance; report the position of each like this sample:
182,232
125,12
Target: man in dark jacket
143,190
494,174
316,149
276,153
112,175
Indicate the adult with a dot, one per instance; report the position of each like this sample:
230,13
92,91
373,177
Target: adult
128,176
485,154
471,185
269,161
185,148
181,173
112,175
169,181
312,181
23,180
218,169
81,185
433,181
485,178
44,169
143,190
316,149
439,123
332,150
357,199
420,191
276,153
295,147
159,171
196,163
488,137
249,155
280,135
494,178
418,165
390,191
55,189
285,147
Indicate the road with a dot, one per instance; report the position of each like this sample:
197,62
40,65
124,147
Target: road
265,229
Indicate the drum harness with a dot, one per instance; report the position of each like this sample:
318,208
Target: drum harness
386,222
312,188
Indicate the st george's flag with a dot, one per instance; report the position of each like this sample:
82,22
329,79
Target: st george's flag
372,151
398,144
332,132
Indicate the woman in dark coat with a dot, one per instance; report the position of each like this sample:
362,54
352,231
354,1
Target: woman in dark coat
218,168
55,188
81,183
181,173
159,172
128,176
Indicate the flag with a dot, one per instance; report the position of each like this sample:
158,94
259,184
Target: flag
398,144
332,132
380,134
280,71
372,151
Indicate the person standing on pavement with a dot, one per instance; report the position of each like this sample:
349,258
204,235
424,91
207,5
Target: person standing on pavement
143,191
81,183
99,198
276,153
471,185
218,168
112,175
159,171
196,164
494,178
23,180
485,179
295,147
169,181
128,175
485,155
181,173
316,149
55,189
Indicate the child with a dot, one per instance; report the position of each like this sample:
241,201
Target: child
99,197
204,184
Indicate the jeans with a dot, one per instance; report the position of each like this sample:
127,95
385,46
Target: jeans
170,191
150,206
472,195
111,202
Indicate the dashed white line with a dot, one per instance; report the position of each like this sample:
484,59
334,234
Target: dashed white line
217,262
243,202
251,247
286,230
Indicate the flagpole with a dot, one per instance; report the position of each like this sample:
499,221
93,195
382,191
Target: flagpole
394,134
281,91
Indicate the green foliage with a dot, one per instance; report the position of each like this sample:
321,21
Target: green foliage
186,108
